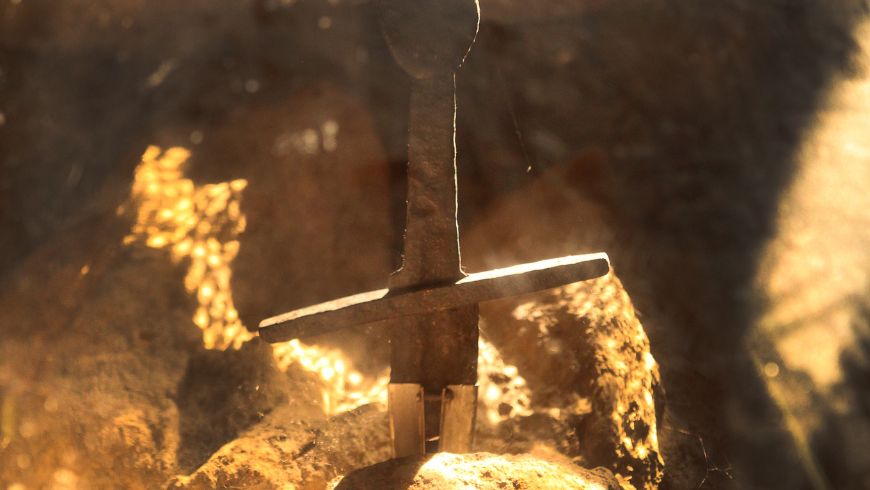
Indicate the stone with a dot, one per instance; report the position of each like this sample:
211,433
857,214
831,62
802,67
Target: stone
594,383
477,471
284,450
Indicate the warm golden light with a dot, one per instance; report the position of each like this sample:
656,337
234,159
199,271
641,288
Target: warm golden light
447,470
622,354
345,388
172,213
501,386
199,226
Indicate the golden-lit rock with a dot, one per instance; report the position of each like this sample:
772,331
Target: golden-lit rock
477,471
586,356
284,451
583,354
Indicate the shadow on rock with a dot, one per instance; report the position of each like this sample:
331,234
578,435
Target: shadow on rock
222,394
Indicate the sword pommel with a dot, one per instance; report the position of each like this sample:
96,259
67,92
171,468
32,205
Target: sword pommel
429,37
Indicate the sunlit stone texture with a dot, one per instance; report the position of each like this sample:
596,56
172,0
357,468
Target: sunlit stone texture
478,471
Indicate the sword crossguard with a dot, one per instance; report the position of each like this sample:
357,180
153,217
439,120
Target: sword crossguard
384,304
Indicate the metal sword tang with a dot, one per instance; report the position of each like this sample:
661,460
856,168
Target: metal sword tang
431,244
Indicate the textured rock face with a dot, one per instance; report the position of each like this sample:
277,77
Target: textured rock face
282,450
478,471
581,348
585,354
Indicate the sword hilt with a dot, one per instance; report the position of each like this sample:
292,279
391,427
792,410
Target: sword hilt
434,352
429,39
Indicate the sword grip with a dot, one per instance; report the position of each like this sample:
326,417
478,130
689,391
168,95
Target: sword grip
431,246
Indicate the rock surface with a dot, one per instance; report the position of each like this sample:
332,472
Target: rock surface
478,471
581,348
585,354
282,450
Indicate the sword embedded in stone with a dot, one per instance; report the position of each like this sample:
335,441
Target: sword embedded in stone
432,393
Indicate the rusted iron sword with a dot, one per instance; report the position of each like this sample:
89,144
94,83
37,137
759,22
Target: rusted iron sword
432,392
